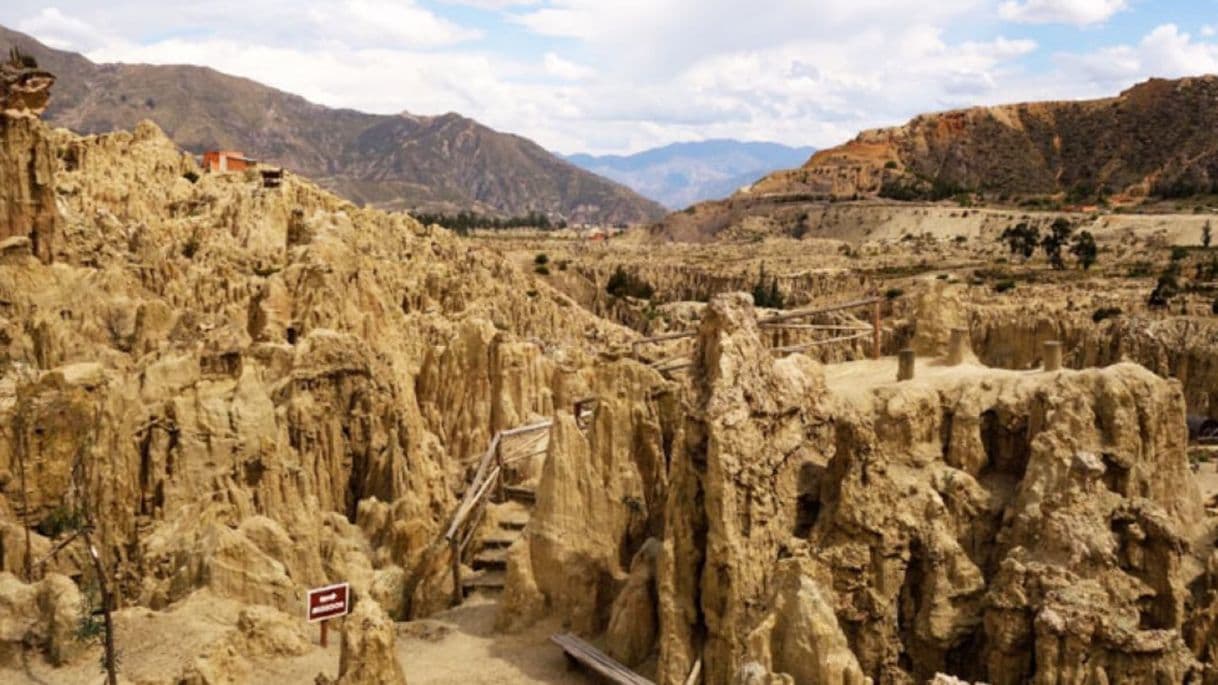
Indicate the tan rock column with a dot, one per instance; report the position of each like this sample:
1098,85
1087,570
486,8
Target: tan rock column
957,346
905,368
1053,355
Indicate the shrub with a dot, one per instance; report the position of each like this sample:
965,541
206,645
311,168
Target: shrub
770,296
1004,286
1084,249
623,284
893,293
541,259
541,270
1059,233
1104,313
1214,307
1178,253
1021,239
191,176
890,164
1167,287
1207,235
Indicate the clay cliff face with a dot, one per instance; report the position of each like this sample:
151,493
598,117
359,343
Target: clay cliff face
996,526
1154,138
253,390
27,195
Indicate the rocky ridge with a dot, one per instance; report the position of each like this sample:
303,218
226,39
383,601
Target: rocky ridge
248,389
446,163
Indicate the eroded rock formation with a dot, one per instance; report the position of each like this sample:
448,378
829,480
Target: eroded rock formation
27,161
994,526
250,390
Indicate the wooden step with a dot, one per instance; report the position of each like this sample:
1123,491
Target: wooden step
491,558
484,581
517,523
597,662
521,494
501,540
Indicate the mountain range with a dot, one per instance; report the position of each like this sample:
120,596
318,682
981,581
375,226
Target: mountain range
681,174
437,164
1156,140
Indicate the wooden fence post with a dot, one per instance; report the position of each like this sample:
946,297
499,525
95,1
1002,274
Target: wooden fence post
458,593
905,365
877,330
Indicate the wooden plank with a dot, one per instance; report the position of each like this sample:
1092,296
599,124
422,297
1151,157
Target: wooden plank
467,505
597,661
663,338
541,425
818,343
800,313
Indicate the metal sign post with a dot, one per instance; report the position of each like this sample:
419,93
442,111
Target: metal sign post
325,603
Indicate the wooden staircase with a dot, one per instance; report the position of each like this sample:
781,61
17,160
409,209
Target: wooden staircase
490,559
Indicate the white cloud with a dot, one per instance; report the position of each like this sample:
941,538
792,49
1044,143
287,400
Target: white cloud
60,31
1164,52
382,23
1076,12
621,76
1208,31
565,69
492,4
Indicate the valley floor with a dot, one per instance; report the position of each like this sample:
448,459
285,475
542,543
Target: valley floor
456,646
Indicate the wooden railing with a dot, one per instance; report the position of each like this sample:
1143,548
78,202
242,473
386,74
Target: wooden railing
489,476
852,330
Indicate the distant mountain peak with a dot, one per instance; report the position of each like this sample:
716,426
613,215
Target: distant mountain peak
683,173
443,163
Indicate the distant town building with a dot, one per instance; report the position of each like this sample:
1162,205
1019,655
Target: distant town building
226,160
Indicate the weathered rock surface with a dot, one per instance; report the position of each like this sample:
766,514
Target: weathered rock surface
250,390
599,498
367,656
988,525
42,615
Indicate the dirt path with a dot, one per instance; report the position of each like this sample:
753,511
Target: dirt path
457,646
461,646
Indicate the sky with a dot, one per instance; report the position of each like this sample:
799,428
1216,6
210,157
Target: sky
620,76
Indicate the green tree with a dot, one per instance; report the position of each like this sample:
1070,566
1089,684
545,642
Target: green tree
1021,239
1053,243
1207,235
1167,287
1084,249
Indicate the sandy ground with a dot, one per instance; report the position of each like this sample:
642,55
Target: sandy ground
1207,478
457,646
460,646
853,382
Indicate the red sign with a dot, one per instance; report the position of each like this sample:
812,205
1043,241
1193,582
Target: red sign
328,602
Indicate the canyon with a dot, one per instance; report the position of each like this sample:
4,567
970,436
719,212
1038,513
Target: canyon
220,390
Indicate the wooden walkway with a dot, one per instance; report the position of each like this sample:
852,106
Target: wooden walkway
847,328
600,664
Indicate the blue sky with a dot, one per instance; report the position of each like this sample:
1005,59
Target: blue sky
624,75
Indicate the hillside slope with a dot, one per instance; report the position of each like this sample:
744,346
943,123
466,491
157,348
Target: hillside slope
1157,139
438,164
681,174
